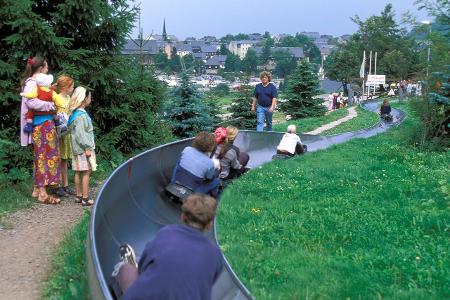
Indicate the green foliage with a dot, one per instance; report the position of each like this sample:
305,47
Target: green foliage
185,110
229,37
82,40
68,278
303,85
232,63
434,110
396,51
363,220
240,108
285,63
266,52
221,90
250,62
300,40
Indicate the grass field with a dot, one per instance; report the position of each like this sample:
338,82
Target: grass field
365,119
308,124
368,219
68,279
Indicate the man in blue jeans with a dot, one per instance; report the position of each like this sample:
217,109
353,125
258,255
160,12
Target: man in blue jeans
265,100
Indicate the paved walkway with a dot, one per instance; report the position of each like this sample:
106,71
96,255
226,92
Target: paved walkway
352,113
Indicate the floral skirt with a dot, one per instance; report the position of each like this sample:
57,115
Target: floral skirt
47,168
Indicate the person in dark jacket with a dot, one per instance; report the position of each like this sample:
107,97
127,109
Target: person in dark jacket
385,110
179,263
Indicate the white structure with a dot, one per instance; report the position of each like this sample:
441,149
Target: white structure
240,48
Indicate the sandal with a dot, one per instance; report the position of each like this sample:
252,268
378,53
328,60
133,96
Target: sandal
78,199
49,200
86,201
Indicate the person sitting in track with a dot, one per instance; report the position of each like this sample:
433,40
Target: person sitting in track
179,263
195,169
233,162
291,144
385,111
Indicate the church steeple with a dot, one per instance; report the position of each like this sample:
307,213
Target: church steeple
164,34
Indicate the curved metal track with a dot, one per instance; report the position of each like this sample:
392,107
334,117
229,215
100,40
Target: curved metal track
131,206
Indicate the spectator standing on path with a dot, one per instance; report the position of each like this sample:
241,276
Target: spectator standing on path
265,101
64,86
46,158
179,263
83,144
350,94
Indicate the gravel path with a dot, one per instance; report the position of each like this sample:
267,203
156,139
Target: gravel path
352,113
26,248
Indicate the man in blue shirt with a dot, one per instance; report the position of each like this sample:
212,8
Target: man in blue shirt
195,169
265,99
179,263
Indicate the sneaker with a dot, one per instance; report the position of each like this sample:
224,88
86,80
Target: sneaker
60,192
127,255
69,190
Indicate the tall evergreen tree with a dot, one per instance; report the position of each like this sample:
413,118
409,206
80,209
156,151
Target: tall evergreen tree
240,108
83,39
302,86
186,111
250,62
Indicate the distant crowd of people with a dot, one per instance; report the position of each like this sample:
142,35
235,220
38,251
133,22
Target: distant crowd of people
405,88
54,121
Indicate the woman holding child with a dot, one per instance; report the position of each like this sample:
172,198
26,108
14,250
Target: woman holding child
46,158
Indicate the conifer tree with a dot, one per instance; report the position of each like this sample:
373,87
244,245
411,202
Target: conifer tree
302,86
241,109
83,39
186,111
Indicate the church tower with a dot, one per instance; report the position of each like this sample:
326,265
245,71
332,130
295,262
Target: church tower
164,34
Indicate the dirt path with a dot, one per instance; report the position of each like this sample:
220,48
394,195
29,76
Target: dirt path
26,248
352,113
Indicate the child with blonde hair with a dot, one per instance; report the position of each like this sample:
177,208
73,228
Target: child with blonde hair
291,144
83,145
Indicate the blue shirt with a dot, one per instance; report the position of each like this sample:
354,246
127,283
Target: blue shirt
265,94
38,120
197,163
179,263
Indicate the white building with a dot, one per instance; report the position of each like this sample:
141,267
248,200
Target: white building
240,48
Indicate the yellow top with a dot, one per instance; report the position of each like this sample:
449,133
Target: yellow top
61,103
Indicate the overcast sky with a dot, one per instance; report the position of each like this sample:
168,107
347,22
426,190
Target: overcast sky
198,18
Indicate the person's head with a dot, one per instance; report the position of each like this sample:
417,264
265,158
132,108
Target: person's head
44,80
64,85
265,77
35,65
385,102
204,142
221,134
292,129
80,98
232,132
198,211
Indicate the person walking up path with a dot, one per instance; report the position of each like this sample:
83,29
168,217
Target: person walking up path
352,113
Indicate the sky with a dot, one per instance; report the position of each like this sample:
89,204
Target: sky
197,18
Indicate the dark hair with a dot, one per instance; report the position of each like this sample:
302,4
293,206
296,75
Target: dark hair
33,65
204,142
199,210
